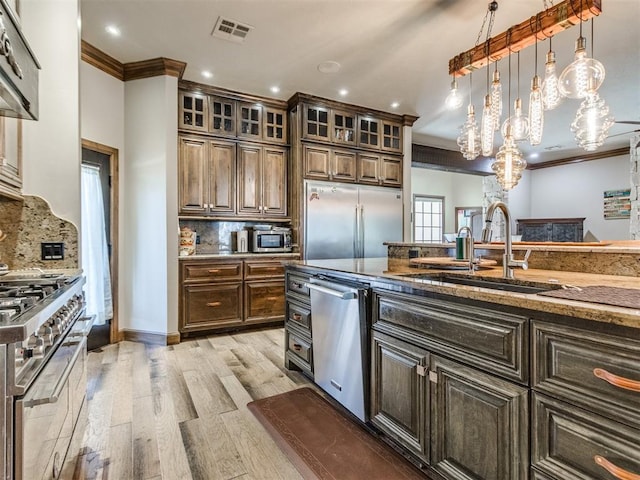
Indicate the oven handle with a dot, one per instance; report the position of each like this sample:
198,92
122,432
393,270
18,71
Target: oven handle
55,393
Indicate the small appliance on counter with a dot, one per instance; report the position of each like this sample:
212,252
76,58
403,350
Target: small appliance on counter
241,241
187,242
270,239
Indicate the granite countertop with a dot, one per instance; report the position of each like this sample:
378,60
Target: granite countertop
614,246
235,255
379,269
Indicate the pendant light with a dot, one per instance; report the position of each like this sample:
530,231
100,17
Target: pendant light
583,73
536,107
551,96
469,138
518,121
487,130
496,98
454,99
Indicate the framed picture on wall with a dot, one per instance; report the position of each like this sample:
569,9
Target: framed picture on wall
617,204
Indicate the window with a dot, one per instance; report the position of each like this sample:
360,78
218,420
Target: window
428,219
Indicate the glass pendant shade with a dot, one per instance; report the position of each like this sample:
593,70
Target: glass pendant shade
536,112
518,122
496,99
509,163
592,122
574,80
454,100
551,97
487,131
469,139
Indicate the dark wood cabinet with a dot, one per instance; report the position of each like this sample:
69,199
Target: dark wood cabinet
212,306
264,300
11,157
298,353
382,170
262,181
368,168
249,121
551,229
391,171
368,132
193,112
344,127
275,125
391,136
223,116
316,123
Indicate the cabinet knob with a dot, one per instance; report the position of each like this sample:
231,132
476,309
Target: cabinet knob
214,304
614,470
617,381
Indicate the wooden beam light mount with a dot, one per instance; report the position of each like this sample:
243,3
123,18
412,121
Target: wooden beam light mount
544,25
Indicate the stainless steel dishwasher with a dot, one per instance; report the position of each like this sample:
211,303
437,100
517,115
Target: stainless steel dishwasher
338,323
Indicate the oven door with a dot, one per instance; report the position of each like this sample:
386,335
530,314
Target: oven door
46,415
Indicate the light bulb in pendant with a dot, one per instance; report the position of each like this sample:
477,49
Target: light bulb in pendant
509,163
574,80
454,99
487,131
469,138
536,112
551,97
496,99
518,122
592,122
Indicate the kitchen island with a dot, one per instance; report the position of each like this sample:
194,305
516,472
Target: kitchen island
482,383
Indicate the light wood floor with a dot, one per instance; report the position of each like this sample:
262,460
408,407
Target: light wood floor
179,412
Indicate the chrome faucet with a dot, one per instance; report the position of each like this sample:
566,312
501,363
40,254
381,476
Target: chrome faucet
508,263
471,249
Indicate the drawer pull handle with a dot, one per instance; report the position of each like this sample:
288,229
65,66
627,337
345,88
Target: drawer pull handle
615,470
214,304
297,347
296,285
214,270
617,381
273,299
297,317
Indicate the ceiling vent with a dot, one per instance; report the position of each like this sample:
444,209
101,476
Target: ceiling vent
231,30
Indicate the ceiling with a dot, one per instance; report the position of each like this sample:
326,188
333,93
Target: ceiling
388,50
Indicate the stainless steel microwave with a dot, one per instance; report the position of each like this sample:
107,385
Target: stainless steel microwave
271,241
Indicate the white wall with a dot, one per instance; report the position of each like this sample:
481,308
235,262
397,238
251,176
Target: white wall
51,146
519,200
576,190
150,245
459,190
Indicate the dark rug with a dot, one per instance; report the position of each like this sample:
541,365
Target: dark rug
324,444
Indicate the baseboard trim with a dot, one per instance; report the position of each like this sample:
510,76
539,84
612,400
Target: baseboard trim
150,338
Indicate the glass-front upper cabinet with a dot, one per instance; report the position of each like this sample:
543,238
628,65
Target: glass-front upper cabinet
369,132
275,125
316,123
250,120
344,127
391,136
223,116
193,112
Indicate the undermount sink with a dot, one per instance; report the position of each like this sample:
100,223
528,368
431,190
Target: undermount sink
504,284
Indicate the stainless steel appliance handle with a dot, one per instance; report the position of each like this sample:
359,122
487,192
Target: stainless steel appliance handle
355,234
331,291
361,232
57,389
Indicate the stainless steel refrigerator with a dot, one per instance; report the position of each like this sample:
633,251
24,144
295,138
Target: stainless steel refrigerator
350,221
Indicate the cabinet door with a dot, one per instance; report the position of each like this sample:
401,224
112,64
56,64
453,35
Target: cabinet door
275,125
10,154
249,121
479,424
391,171
222,177
391,136
209,306
343,166
264,301
368,168
369,132
344,127
399,392
316,123
249,174
317,163
192,166
193,111
274,182
223,116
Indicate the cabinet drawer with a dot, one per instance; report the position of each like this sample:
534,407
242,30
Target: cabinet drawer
299,315
299,347
206,306
570,363
566,441
489,339
200,271
264,300
296,287
263,269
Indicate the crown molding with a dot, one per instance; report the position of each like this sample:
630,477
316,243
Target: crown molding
580,158
102,61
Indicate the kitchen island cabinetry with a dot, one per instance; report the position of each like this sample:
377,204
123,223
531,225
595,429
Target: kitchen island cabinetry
298,344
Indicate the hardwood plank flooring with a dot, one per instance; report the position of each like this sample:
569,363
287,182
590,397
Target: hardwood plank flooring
179,412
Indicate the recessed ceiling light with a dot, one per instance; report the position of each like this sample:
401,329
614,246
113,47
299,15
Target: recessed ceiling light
207,74
275,89
395,104
329,67
343,92
113,30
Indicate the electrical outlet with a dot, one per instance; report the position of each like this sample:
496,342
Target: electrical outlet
52,250
414,253
197,239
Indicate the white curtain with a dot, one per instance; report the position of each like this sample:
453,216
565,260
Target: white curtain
95,256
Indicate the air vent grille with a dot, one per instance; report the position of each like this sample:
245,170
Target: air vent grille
230,30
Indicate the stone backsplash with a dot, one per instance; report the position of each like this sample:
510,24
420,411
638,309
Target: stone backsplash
27,224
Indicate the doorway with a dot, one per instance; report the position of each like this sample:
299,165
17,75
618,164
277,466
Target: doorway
101,161
470,217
